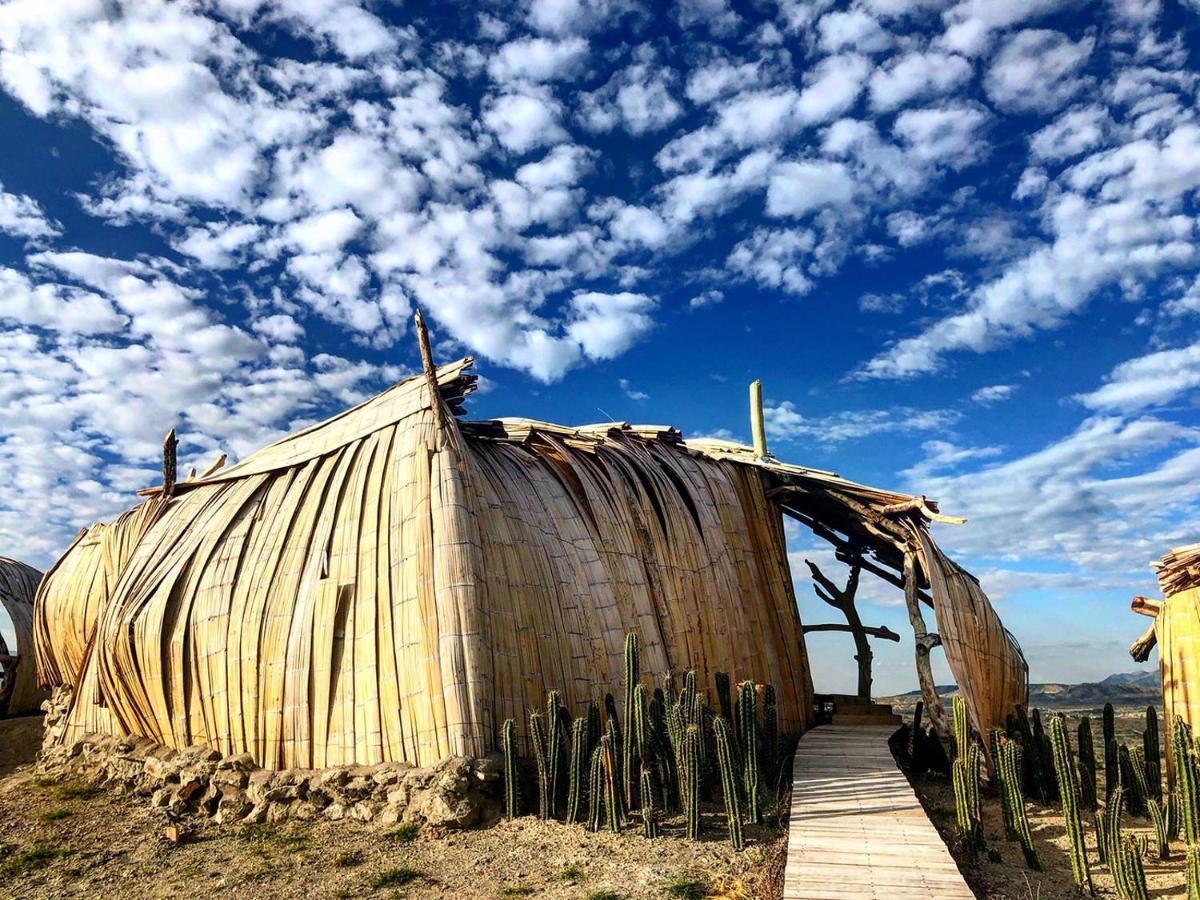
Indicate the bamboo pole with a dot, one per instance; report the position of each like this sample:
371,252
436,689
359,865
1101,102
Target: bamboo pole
924,643
756,420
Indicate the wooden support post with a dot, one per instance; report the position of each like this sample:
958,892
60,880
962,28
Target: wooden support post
843,599
924,643
169,446
435,396
757,429
1140,649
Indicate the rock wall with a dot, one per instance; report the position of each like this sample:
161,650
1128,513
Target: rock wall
457,792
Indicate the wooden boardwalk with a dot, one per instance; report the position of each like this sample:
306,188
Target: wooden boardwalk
857,829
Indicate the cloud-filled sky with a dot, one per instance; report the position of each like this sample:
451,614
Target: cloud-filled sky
955,238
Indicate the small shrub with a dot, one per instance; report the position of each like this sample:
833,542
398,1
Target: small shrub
57,814
516,890
74,790
38,856
394,878
569,873
603,895
687,888
346,858
44,781
404,834
265,836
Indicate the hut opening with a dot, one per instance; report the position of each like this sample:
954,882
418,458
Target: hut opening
19,691
394,583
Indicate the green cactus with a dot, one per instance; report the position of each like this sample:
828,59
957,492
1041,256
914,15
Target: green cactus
729,791
1158,818
640,741
1045,757
998,740
629,751
663,754
1035,777
512,774
596,789
1087,765
580,751
1111,838
595,728
1112,776
1152,750
1133,777
1193,871
1068,792
1101,820
649,818
748,738
691,766
1008,768
541,755
962,725
613,729
770,738
554,717
1128,872
724,699
610,765
689,700
965,777
1187,781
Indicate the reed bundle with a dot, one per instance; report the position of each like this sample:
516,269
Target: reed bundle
19,692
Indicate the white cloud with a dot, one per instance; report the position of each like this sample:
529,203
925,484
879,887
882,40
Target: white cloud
710,297
606,325
637,98
22,217
1037,71
1074,132
776,259
525,121
539,59
852,30
916,76
631,392
716,15
970,24
575,16
786,423
1151,380
796,188
947,135
993,393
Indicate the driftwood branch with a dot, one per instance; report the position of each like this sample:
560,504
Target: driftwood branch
169,447
1140,649
882,632
924,643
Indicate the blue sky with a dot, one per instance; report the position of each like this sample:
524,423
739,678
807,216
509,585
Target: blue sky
956,240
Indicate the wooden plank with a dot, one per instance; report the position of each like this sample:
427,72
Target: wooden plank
856,828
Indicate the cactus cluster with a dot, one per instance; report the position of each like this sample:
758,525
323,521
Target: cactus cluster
1045,757
1007,754
1035,776
965,776
1111,774
629,752
1133,778
1187,781
1153,755
1068,792
1127,870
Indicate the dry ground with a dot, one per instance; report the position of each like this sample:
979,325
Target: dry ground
65,840
1008,878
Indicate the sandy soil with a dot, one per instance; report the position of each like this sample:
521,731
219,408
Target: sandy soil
65,840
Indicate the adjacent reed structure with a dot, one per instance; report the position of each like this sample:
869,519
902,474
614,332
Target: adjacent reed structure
19,691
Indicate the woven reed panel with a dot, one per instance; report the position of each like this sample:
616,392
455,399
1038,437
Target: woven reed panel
1177,628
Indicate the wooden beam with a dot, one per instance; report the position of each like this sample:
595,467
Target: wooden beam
757,428
933,703
1146,606
882,632
169,446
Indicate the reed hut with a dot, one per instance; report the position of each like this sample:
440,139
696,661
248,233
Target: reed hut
19,691
393,583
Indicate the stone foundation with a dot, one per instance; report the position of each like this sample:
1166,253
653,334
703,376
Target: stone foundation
456,793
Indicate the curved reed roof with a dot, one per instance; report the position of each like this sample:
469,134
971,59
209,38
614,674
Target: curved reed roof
393,583
19,692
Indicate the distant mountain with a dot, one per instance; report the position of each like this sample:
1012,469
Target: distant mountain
1122,689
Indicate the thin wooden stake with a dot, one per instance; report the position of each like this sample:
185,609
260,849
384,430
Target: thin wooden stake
435,397
924,643
169,445
756,419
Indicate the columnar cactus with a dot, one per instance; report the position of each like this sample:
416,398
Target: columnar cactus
1087,765
541,755
610,767
1187,781
512,774
1008,768
965,776
613,729
664,755
1158,818
724,700
629,751
1110,840
1133,777
1045,756
1035,778
1153,753
748,738
729,791
580,752
649,817
596,789
1128,873
770,737
1068,792
998,741
595,728
962,725
1193,871
691,766
554,716
1112,776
